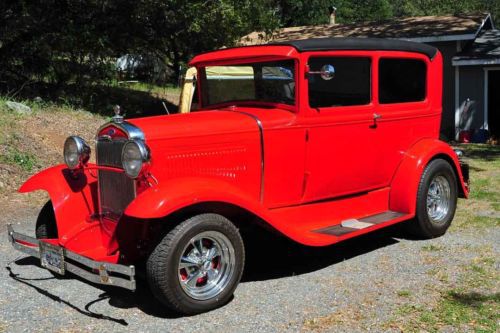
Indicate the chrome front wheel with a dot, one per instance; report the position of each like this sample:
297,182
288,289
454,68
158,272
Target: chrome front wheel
197,266
206,265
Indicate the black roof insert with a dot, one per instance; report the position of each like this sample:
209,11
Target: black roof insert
340,43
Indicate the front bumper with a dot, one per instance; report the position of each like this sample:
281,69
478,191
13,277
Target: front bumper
94,271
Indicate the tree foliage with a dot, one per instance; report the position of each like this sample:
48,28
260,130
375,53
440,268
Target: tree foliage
54,40
57,42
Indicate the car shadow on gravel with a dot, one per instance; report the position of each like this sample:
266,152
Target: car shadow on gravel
268,256
272,256
31,282
141,299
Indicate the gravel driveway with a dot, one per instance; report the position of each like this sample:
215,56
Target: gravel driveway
357,285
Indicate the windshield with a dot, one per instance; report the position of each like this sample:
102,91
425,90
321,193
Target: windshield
271,82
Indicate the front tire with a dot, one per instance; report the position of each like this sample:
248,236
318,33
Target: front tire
46,226
197,266
436,200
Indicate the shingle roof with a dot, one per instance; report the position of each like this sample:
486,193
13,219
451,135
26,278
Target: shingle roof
421,28
485,50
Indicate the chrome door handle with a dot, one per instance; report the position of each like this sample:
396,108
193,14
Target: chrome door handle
376,116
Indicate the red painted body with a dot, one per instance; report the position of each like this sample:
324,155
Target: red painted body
316,168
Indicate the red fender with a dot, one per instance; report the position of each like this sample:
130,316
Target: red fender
170,196
405,182
73,198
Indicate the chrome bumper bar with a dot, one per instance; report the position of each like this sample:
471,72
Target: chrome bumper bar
90,270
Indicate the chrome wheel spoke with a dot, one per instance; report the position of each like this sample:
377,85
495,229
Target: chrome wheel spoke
193,278
188,261
212,253
211,274
197,246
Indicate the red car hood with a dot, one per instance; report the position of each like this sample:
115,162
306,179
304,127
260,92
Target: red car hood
211,122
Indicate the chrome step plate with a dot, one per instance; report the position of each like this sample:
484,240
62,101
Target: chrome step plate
355,224
351,225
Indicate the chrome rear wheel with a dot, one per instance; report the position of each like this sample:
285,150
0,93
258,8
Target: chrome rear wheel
438,199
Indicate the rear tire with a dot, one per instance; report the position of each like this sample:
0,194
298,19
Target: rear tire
197,266
436,200
46,226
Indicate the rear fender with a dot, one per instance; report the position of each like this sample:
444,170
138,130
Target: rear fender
74,197
170,196
404,186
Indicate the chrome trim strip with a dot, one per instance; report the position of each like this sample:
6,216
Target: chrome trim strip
103,268
133,132
262,164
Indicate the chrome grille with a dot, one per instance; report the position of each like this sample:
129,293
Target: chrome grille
116,190
109,152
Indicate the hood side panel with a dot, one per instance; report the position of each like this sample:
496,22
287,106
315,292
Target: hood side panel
205,145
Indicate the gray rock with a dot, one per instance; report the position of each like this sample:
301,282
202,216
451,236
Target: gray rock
18,107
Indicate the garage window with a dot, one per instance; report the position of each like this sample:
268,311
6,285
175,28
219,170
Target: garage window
349,82
401,80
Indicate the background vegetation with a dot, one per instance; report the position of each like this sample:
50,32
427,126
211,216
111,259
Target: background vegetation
66,50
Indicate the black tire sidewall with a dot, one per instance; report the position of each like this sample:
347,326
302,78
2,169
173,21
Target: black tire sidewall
46,226
426,226
169,251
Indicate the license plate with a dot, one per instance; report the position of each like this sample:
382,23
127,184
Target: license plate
52,257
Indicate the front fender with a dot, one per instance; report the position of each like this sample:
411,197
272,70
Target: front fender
73,197
170,196
405,182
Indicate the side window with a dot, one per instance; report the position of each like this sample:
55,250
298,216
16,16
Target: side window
401,80
348,82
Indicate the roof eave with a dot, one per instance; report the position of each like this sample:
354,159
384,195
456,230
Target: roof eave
476,62
445,38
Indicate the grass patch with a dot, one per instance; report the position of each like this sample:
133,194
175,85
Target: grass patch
136,99
404,293
14,156
474,221
471,305
483,190
482,209
457,308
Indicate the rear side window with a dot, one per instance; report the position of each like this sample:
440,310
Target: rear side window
401,80
349,85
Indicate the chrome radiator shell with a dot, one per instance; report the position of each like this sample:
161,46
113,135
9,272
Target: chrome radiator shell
116,189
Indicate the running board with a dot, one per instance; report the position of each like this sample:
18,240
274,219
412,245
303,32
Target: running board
351,225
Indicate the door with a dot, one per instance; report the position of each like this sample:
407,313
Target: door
342,133
405,109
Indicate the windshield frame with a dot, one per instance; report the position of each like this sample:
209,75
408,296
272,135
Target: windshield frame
247,103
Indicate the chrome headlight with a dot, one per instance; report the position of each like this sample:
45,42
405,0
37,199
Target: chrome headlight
76,152
134,155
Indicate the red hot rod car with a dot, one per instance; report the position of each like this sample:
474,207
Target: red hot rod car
321,140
